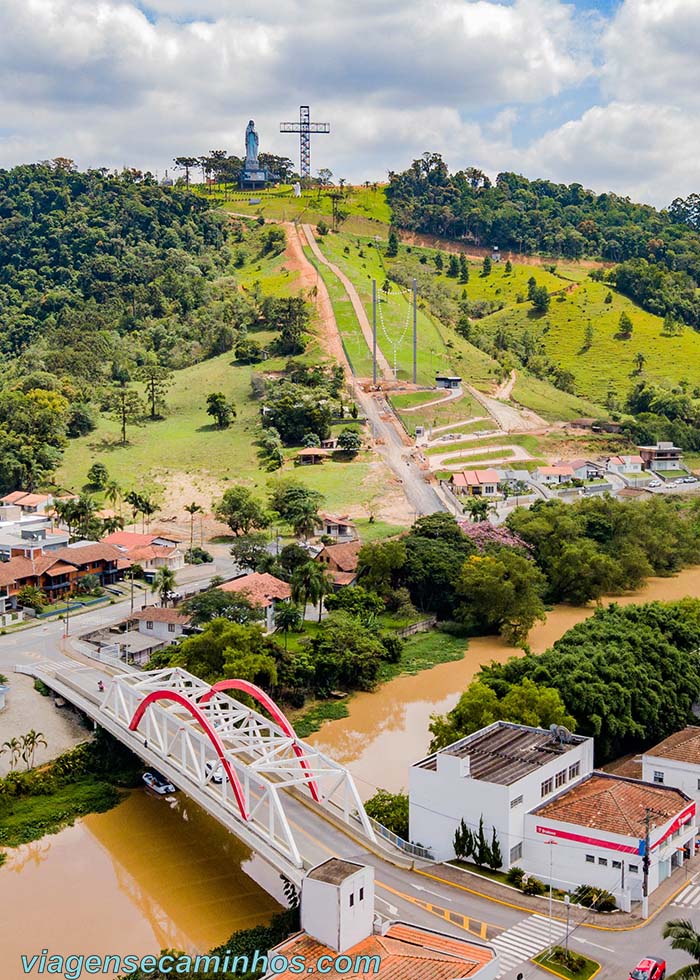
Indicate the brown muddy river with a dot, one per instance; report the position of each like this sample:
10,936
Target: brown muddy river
142,877
385,732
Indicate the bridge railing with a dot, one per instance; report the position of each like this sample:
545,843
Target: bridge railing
415,850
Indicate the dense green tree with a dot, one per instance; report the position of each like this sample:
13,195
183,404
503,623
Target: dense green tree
392,248
98,476
501,592
216,604
625,325
220,409
250,551
391,810
350,441
346,656
357,601
453,267
463,269
380,564
541,299
229,649
241,511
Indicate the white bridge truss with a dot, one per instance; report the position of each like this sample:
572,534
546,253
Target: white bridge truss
206,735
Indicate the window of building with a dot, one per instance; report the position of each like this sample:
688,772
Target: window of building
603,861
617,864
516,852
171,627
633,868
560,778
149,624
658,776
590,859
362,894
352,899
516,802
547,786
574,770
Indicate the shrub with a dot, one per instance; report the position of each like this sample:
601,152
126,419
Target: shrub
533,886
567,958
594,898
514,876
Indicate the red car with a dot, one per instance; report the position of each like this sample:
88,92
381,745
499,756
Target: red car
649,969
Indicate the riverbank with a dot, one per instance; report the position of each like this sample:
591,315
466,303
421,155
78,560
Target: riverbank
385,731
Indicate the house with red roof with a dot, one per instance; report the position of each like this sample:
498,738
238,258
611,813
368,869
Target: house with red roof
476,483
150,551
262,590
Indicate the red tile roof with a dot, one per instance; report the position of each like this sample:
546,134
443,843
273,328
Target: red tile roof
563,470
129,539
345,556
260,588
161,614
405,953
681,746
88,553
475,478
615,804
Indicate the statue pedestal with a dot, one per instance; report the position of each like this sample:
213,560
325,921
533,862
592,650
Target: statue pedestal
252,179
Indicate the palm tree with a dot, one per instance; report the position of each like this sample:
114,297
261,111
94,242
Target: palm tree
325,586
193,509
305,519
309,583
30,742
14,747
148,509
683,936
113,493
164,584
288,617
111,524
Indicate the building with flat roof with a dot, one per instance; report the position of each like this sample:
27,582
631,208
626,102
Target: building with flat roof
662,456
499,772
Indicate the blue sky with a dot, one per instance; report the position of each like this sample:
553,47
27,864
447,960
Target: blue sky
604,92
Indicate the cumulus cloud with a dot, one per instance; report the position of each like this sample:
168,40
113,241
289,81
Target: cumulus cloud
137,82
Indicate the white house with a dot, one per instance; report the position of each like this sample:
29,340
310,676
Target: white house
563,473
150,551
676,762
499,772
476,483
340,527
593,833
28,503
625,464
162,623
340,931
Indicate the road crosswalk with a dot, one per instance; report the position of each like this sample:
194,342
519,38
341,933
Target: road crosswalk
689,898
525,940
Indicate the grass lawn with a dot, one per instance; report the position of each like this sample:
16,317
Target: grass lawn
551,403
609,362
452,411
546,960
528,443
354,343
377,530
466,461
440,348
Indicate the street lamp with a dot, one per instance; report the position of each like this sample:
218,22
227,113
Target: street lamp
551,843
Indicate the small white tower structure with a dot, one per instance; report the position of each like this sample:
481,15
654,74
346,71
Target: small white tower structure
337,903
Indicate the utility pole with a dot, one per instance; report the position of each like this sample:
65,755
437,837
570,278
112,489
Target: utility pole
552,843
645,863
567,902
415,331
131,576
374,332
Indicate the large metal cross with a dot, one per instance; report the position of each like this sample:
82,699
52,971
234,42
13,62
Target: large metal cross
304,127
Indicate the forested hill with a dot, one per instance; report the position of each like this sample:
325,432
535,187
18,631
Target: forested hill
659,250
105,257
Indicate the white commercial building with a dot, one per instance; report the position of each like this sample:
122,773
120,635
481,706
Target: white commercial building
594,834
676,762
553,814
498,773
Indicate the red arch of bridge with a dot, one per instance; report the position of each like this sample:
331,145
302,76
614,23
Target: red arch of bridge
277,714
198,715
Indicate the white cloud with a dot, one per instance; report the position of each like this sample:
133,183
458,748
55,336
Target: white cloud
111,81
